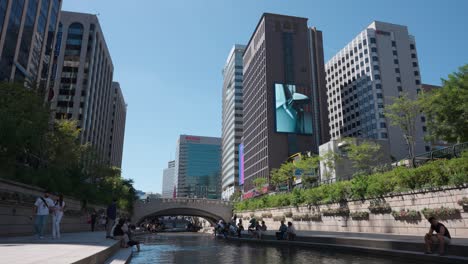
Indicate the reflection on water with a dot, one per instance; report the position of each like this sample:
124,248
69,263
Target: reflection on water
198,248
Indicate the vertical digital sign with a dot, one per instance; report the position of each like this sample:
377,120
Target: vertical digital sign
241,164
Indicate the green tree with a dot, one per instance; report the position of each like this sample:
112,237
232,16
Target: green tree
309,166
259,183
47,154
403,113
23,127
236,196
363,155
283,174
446,109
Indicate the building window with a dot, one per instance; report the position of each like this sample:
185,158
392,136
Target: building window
412,46
416,73
395,61
395,53
372,40
397,70
379,95
413,56
427,148
376,67
415,64
423,119
375,58
374,49
377,77
393,44
383,125
398,79
418,82
400,89
378,86
424,129
383,135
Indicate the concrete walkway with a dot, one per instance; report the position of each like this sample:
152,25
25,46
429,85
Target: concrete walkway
86,247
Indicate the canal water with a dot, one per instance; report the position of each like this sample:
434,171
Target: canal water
190,248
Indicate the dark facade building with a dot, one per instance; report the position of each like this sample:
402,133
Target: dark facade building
27,36
284,93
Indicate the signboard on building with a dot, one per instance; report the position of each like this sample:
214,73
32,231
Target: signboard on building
241,164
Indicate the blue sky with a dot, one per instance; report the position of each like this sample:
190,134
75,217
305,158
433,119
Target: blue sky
168,56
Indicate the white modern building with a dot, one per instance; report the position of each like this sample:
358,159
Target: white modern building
380,64
232,124
168,182
342,168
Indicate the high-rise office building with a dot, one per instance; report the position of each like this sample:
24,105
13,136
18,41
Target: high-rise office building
231,121
168,180
283,94
198,167
380,64
117,127
28,29
81,85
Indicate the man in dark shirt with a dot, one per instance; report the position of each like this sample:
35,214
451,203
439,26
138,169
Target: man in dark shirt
442,236
111,216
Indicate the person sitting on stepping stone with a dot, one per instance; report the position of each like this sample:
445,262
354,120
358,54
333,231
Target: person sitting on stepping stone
442,236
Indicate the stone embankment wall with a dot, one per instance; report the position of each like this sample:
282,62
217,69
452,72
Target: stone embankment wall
16,210
383,222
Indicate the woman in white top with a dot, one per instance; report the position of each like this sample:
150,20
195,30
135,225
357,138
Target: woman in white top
57,216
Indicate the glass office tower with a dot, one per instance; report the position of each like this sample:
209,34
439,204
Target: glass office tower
231,121
198,167
28,29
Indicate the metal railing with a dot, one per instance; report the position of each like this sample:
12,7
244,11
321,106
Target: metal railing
186,200
454,151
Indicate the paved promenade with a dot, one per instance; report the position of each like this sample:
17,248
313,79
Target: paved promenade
87,247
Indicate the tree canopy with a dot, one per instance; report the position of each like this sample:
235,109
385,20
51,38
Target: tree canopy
446,108
37,151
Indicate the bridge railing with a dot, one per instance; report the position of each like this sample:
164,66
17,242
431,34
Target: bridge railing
186,200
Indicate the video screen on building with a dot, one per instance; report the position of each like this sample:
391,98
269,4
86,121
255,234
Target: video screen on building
293,109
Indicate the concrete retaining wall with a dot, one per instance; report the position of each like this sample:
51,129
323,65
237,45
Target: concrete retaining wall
377,223
16,209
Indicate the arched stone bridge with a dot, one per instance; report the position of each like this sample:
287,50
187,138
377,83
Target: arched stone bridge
211,210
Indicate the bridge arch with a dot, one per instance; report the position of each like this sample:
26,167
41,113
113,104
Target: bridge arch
211,210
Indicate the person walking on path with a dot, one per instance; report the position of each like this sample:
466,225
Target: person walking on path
93,220
57,216
42,208
111,216
442,236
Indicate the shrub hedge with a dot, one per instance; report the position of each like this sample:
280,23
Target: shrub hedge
439,173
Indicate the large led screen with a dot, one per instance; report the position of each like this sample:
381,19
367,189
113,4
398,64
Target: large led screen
293,109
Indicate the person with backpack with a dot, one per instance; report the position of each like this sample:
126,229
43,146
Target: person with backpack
42,208
57,216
